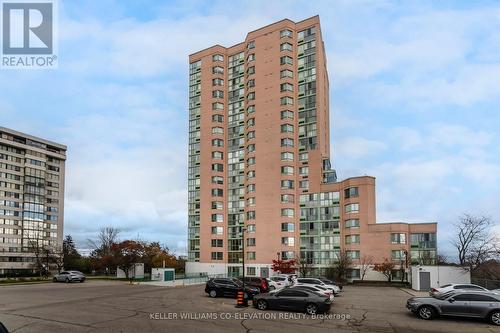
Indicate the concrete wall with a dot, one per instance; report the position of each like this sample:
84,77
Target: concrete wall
135,272
440,275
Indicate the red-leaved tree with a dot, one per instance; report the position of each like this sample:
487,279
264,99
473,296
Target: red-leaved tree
284,266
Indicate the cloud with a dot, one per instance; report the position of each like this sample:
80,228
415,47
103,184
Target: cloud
358,147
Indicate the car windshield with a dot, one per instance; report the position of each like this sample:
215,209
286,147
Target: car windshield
443,296
238,282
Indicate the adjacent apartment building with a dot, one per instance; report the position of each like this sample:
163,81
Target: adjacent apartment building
31,199
259,164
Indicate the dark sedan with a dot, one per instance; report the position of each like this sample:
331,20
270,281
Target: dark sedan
293,299
228,287
474,304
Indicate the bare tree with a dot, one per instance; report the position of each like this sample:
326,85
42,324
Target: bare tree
305,267
364,264
342,265
474,240
105,239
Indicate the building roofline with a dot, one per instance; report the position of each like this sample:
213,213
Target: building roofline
264,27
401,222
34,138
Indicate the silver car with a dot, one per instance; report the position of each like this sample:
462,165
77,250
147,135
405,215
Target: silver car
475,304
69,276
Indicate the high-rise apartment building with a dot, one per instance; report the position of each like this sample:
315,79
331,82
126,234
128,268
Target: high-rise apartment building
31,199
259,163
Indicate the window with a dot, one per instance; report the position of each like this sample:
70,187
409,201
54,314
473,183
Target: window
354,273
251,122
286,87
217,243
286,73
250,135
353,254
250,241
251,45
286,33
217,255
250,188
304,184
304,171
251,83
218,94
217,82
287,156
251,70
287,184
353,223
303,156
250,161
287,198
306,33
251,228
288,241
217,143
286,128
251,215
250,256
217,180
217,106
251,109
286,60
352,239
217,155
251,174
352,208
251,57
217,70
218,167
217,218
286,100
397,254
351,192
286,142
287,170
217,230
217,205
251,201
251,148
218,57
286,47
217,192
398,238
286,114
251,96
217,130
287,212
218,118
288,227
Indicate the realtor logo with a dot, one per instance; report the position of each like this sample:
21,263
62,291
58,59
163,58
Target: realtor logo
28,34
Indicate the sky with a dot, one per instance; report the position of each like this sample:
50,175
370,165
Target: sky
414,102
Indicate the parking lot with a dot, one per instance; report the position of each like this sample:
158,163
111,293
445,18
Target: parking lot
102,306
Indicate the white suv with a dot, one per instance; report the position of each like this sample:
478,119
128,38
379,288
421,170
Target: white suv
318,282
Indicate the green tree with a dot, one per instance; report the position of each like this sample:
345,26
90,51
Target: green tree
71,257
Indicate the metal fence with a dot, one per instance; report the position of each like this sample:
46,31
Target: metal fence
487,283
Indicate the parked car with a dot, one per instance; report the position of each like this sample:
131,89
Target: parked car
294,299
318,282
3,329
460,303
330,281
273,285
257,282
319,289
69,276
228,287
281,281
455,286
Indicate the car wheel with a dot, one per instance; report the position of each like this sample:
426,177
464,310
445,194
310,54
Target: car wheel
213,293
261,304
272,287
311,309
426,312
67,280
54,280
495,318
